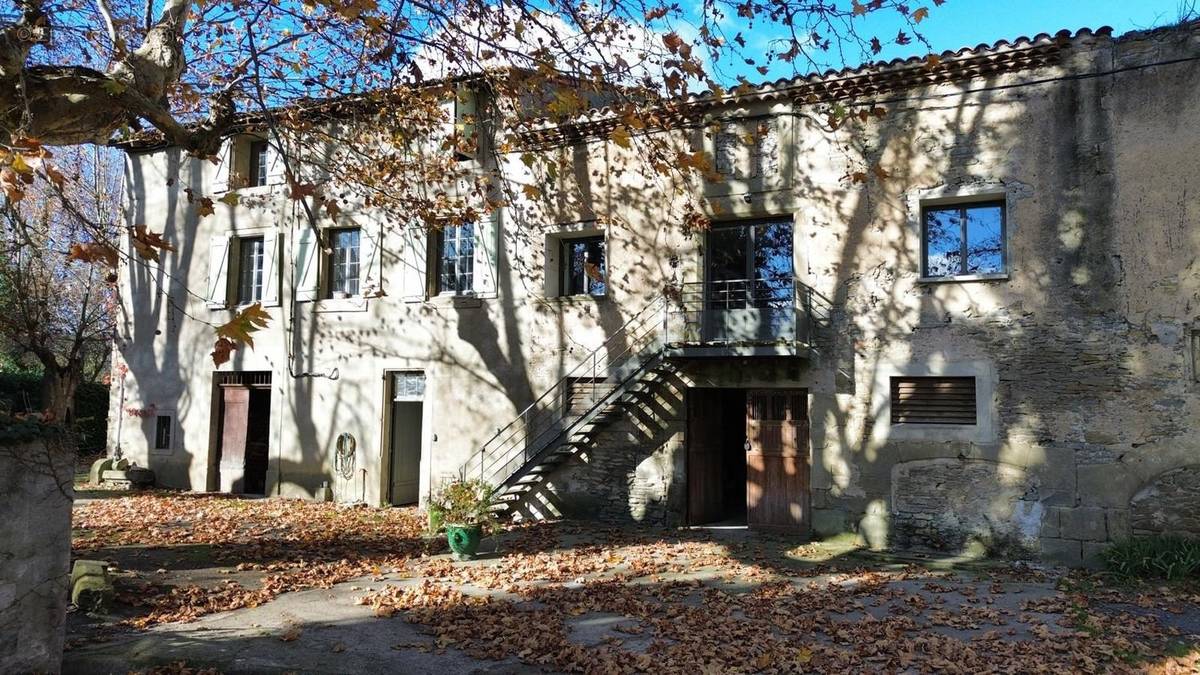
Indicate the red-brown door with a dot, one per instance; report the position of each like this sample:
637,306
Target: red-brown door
705,446
777,465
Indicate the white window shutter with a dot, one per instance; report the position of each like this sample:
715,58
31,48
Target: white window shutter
218,271
445,133
487,238
272,245
371,277
308,262
415,280
465,119
275,165
224,166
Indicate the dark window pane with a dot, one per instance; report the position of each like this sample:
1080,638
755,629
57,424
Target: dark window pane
162,432
584,267
727,250
985,239
258,163
943,242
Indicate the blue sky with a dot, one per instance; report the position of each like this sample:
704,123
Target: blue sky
966,23
961,23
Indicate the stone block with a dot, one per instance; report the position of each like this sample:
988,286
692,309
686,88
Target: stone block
1065,551
1091,554
1086,523
1050,522
828,522
1118,524
1106,485
91,587
98,467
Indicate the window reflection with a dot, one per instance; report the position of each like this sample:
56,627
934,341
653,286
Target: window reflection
964,239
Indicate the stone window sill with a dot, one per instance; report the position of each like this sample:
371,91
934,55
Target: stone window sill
965,278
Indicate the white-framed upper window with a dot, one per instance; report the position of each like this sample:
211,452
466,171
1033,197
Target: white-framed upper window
456,259
250,258
343,265
965,239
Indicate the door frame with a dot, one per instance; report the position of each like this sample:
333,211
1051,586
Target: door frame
385,435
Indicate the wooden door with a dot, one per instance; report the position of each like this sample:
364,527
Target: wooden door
704,467
777,464
235,417
406,452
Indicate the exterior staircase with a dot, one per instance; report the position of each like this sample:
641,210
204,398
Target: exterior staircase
626,369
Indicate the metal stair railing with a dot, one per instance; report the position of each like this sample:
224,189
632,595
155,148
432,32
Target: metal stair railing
575,398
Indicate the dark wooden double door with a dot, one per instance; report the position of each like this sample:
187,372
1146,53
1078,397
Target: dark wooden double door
748,454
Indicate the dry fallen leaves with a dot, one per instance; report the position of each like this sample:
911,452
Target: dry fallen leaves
685,603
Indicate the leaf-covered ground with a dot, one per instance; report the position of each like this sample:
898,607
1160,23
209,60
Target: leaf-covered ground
585,598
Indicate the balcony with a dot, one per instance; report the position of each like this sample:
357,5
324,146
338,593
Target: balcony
746,317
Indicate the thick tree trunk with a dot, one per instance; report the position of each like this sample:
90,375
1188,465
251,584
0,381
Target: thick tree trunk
58,392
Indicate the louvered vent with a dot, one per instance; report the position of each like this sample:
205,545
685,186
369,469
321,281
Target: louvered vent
933,400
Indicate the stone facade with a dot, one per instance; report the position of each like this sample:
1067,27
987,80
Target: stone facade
1082,350
35,528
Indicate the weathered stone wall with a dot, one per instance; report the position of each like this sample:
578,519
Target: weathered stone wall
1170,504
35,553
633,470
1081,348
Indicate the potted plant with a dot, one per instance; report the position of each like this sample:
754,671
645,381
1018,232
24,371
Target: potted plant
464,508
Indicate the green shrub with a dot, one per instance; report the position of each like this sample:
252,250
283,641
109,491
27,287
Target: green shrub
462,502
1162,557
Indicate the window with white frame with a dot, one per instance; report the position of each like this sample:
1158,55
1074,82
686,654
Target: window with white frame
584,269
343,266
250,252
456,259
963,240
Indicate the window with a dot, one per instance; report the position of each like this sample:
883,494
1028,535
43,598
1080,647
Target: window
258,163
343,262
250,270
963,240
584,269
750,265
162,432
456,259
933,400
408,385
1195,335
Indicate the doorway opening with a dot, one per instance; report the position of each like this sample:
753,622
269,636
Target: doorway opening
748,459
716,466
405,415
243,449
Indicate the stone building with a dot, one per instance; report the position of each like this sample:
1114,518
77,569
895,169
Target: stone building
997,341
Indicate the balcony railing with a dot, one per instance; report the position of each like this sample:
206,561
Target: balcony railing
765,312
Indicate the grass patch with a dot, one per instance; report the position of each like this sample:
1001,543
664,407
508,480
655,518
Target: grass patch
1164,557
